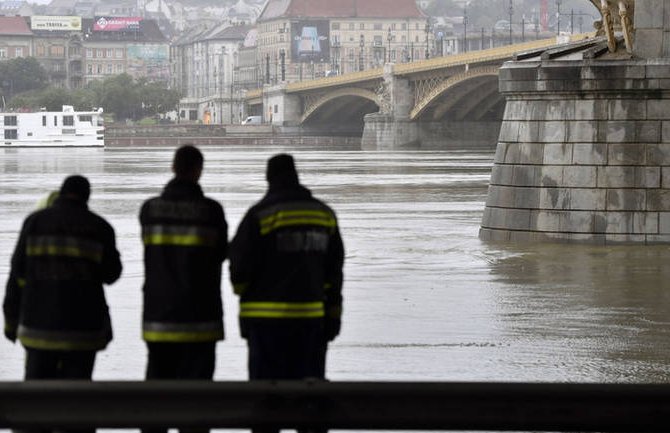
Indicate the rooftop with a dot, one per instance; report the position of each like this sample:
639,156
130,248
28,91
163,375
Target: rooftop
324,9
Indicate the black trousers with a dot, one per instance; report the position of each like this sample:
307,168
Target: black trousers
286,350
180,361
59,364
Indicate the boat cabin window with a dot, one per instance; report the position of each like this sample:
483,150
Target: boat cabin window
11,134
44,120
86,118
68,120
11,121
55,120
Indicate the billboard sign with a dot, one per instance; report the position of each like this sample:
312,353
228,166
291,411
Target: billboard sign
63,23
310,41
151,61
116,24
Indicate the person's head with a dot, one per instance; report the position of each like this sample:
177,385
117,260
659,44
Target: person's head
75,187
187,163
281,171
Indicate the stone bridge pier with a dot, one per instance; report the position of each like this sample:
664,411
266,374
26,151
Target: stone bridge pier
584,150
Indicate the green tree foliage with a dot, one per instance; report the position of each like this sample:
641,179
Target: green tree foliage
21,75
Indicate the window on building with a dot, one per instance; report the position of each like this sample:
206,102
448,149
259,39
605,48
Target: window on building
99,69
119,69
40,51
3,53
361,26
68,120
119,53
378,26
110,53
403,26
11,121
416,26
18,51
335,26
89,52
351,26
393,26
11,134
110,68
89,69
377,41
98,53
57,51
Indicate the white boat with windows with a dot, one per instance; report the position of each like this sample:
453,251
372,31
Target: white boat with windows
52,128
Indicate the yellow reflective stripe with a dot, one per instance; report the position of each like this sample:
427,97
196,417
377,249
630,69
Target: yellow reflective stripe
179,235
182,336
335,311
173,239
282,310
239,288
67,251
65,246
284,218
40,343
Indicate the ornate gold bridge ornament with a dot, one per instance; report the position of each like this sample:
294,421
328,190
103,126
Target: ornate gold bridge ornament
626,11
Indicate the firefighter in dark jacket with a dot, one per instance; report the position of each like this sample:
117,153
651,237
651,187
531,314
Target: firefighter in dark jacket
286,265
54,303
185,238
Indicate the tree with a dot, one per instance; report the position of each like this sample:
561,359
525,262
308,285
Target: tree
20,75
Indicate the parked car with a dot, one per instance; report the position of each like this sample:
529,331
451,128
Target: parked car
252,120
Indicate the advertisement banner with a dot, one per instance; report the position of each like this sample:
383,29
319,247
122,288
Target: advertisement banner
310,41
151,61
116,24
63,23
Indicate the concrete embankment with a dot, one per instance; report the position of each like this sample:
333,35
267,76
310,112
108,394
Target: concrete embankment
219,135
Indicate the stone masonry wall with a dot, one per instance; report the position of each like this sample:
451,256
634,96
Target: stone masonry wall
583,153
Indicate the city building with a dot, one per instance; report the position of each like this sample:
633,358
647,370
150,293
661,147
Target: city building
203,65
15,38
308,39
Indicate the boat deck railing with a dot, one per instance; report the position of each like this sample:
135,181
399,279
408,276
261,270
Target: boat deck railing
337,405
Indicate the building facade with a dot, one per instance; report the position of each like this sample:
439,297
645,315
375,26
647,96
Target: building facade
300,39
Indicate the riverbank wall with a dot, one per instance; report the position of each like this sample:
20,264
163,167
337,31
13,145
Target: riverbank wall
220,135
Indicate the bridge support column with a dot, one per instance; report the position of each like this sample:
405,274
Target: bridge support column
391,128
281,108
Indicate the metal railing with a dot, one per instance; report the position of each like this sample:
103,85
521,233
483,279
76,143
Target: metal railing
338,405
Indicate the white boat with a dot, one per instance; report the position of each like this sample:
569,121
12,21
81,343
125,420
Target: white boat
52,128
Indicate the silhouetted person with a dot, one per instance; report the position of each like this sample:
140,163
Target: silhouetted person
185,239
286,264
54,303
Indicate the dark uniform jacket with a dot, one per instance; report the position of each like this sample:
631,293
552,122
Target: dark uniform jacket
185,239
54,298
286,260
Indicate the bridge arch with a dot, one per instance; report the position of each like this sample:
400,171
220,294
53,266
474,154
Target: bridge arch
314,104
428,93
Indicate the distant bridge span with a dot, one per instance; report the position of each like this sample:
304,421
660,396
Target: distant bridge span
458,88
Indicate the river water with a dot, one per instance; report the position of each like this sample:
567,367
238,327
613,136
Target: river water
425,299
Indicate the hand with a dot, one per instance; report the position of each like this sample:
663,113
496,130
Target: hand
332,328
10,334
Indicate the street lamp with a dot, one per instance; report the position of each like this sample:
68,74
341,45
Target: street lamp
511,13
427,28
361,44
465,29
558,17
282,55
389,37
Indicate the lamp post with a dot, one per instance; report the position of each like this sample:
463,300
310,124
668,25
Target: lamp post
511,13
389,37
427,28
558,17
282,55
267,68
465,29
361,47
